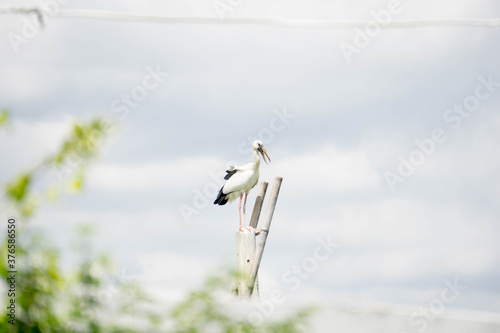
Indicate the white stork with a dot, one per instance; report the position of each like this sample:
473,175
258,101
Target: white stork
242,179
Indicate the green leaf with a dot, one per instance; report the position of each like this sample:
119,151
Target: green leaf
77,182
4,117
18,189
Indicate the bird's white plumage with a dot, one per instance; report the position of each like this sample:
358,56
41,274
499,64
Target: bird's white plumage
245,178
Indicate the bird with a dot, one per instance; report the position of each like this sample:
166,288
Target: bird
240,180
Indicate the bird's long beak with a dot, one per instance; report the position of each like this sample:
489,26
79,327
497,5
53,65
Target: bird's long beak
264,154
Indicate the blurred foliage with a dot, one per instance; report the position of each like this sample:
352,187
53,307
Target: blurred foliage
69,161
93,297
81,145
17,189
38,282
201,310
47,300
4,117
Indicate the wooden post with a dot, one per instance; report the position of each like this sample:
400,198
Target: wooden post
245,250
258,204
264,233
249,255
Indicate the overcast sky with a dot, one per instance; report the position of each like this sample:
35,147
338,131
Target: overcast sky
342,134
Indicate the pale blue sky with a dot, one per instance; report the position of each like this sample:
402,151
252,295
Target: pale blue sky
225,83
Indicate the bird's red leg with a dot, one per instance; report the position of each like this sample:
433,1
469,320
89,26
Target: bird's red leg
243,227
239,209
245,210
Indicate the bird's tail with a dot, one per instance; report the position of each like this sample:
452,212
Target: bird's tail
221,198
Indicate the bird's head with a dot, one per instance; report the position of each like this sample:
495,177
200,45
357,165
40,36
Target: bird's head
259,146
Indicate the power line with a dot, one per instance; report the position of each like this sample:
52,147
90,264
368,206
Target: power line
105,15
25,11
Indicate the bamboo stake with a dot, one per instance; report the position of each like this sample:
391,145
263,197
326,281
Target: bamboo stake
258,204
245,250
264,233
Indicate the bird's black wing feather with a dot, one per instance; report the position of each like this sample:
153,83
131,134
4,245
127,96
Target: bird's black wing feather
231,171
221,198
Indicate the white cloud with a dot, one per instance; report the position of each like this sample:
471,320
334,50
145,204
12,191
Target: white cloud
167,276
172,175
30,141
327,169
397,239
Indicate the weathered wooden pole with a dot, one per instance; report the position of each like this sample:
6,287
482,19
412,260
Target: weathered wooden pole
266,225
258,204
245,251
